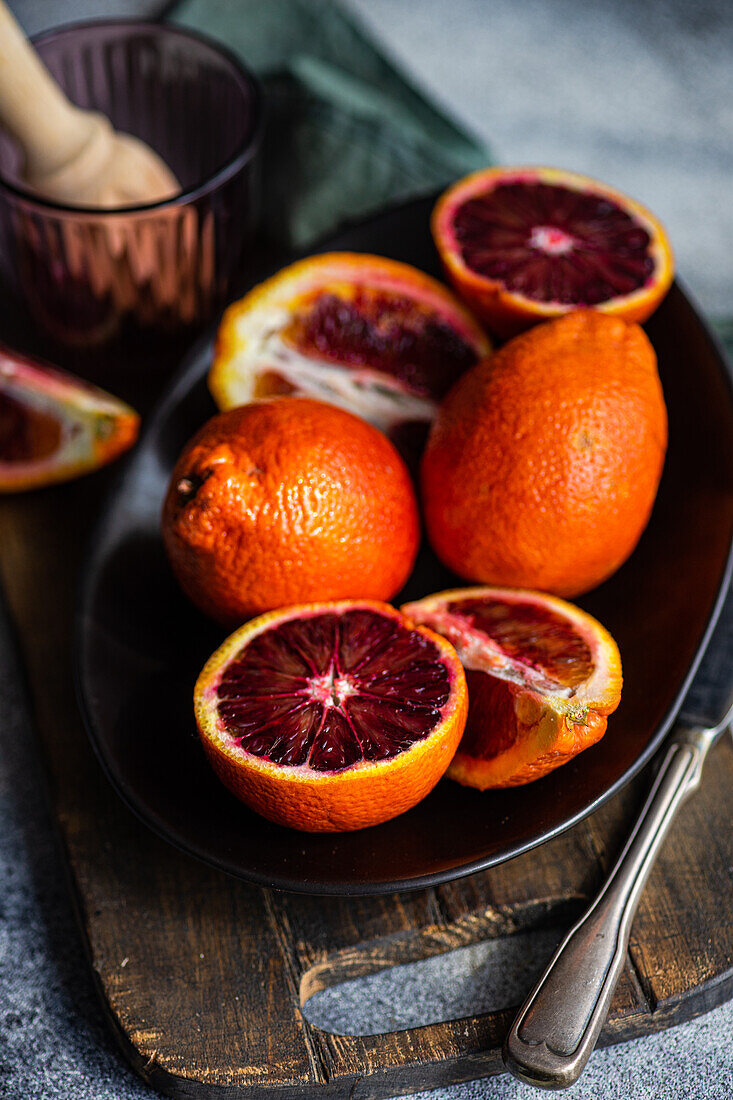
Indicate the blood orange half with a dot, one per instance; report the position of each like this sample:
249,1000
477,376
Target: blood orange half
333,716
54,426
376,337
522,245
542,678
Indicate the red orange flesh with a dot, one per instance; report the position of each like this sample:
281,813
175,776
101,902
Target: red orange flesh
523,245
371,335
542,676
333,716
53,426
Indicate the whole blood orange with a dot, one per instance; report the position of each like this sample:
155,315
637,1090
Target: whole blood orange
54,426
542,466
368,334
542,678
333,716
522,245
285,501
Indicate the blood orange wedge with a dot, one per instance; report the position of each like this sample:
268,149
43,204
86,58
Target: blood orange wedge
333,716
542,678
54,426
376,337
521,245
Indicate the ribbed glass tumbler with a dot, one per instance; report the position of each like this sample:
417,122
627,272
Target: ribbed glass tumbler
90,277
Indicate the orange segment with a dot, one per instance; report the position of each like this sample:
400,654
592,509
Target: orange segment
542,678
331,716
371,335
53,426
523,245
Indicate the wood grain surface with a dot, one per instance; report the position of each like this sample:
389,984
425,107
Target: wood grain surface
204,978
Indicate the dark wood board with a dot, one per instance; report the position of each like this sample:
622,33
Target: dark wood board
204,977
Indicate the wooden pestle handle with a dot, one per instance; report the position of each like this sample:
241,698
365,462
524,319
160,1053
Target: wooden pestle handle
50,129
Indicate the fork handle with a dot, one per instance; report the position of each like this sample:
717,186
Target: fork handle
557,1027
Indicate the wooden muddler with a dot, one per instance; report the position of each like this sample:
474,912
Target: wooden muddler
72,155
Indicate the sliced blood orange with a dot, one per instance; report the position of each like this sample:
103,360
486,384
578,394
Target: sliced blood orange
333,716
54,426
542,678
522,245
376,337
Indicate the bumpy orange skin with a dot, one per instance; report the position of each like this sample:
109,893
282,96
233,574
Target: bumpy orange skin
286,501
54,426
515,733
360,796
508,313
540,739
543,464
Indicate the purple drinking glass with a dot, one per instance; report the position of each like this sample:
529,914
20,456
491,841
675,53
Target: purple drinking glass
96,278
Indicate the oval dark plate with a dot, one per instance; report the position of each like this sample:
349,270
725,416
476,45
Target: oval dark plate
141,645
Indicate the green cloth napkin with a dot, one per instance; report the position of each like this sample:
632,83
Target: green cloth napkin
346,133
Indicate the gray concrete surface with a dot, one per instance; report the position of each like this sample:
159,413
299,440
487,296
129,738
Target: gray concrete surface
639,94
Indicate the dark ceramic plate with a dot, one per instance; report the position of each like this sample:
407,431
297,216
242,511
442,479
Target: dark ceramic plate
141,645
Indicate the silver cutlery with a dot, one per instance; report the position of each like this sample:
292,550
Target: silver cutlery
558,1025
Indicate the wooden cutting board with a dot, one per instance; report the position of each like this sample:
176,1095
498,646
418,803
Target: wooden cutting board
204,978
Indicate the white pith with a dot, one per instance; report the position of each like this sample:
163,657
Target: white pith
478,652
330,690
50,389
79,408
551,240
377,397
76,424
